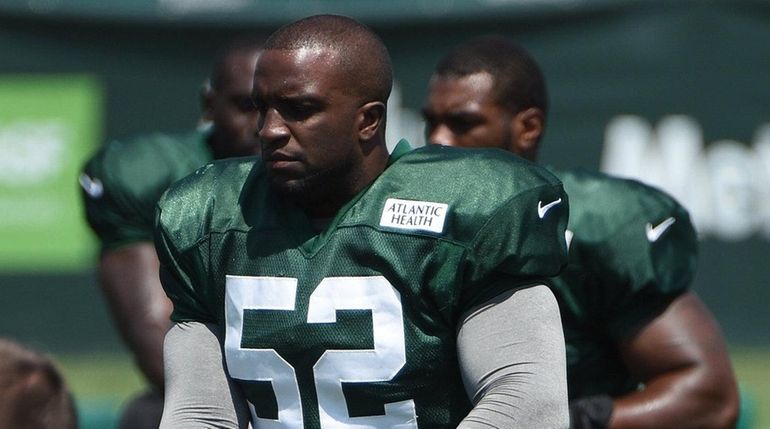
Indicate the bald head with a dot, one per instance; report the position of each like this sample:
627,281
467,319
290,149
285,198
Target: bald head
361,57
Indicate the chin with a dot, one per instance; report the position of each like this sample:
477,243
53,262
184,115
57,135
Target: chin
294,189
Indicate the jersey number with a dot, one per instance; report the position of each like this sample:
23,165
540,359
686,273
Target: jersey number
334,367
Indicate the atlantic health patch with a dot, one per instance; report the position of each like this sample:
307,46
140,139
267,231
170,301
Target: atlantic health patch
414,215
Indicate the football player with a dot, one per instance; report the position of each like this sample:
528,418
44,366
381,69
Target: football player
330,285
642,349
121,186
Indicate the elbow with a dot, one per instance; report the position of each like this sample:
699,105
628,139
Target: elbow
722,409
561,419
727,412
726,403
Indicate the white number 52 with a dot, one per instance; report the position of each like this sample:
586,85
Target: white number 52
334,367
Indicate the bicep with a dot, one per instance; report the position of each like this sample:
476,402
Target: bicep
512,359
130,282
199,392
682,360
683,335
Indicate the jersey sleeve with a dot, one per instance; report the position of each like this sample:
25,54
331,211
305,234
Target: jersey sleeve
651,261
178,236
521,244
116,212
123,182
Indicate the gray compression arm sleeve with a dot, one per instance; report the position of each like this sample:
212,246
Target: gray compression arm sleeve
513,363
199,394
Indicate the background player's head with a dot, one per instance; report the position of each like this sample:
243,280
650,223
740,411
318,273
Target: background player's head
227,100
487,92
321,87
33,394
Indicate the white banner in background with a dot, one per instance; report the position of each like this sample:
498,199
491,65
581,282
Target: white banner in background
725,185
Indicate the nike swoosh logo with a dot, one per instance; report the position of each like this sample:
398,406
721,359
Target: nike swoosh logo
542,209
93,187
654,232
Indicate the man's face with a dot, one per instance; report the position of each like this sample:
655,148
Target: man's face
307,123
462,112
231,110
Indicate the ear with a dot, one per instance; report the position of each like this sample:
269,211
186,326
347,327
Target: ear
528,126
370,119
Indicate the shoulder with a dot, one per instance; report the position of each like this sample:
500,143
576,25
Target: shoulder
474,181
140,149
208,197
154,160
631,235
231,173
478,167
471,189
582,181
609,203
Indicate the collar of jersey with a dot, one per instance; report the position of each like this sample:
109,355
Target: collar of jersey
314,244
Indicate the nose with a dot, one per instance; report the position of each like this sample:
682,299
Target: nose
271,127
442,135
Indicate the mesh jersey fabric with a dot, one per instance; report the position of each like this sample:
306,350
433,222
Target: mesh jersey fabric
367,289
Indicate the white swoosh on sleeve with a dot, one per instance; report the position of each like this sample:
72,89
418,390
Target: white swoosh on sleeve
654,232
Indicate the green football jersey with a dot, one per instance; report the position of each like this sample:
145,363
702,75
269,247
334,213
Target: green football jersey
356,326
632,250
123,181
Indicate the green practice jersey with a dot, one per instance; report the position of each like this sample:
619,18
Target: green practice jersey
632,250
356,326
123,181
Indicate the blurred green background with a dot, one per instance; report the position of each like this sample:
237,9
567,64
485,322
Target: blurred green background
674,92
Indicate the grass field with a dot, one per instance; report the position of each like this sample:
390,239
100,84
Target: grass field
102,383
752,367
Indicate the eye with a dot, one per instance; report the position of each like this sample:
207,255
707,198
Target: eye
299,111
429,119
258,105
462,124
430,122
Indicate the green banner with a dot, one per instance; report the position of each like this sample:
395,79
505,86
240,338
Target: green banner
48,125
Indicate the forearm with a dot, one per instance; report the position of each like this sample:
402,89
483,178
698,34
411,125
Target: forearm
688,398
139,307
512,359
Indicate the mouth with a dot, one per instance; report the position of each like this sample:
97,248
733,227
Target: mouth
277,161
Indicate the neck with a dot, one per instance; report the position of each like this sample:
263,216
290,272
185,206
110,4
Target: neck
347,186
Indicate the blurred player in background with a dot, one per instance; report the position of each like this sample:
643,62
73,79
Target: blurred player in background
629,314
33,393
333,285
121,186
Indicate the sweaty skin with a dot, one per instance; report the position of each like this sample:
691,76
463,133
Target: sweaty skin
682,359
